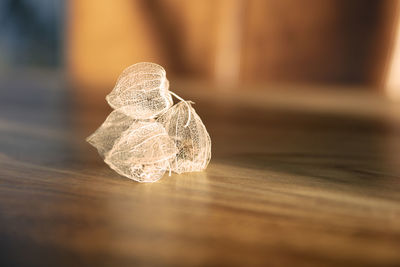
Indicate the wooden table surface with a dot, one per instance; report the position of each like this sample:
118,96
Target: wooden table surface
299,177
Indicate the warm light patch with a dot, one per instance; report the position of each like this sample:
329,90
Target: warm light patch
393,76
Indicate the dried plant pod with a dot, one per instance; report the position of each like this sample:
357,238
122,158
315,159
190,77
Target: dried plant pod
143,152
104,137
138,149
141,91
135,144
145,141
190,135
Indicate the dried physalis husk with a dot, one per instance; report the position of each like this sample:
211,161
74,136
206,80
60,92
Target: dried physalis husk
143,152
138,149
141,91
112,128
137,146
191,138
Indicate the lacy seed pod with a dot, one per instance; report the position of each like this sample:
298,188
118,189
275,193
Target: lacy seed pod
191,138
144,136
112,128
143,152
141,91
138,149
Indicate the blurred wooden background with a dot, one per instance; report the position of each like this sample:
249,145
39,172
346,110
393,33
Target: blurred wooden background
309,41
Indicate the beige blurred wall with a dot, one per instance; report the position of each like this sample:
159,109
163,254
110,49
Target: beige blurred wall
324,41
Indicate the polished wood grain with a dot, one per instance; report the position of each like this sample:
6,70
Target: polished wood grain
303,177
